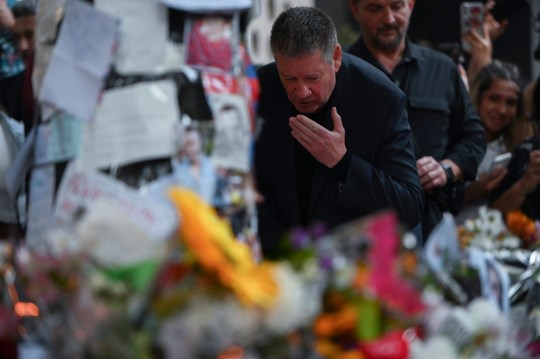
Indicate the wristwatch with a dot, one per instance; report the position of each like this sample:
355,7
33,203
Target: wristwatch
449,173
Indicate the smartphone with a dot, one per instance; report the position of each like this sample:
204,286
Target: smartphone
501,160
471,17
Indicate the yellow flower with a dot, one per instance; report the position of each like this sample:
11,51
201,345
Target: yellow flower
211,240
256,286
208,236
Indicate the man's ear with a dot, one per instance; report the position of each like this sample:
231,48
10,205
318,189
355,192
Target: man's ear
337,56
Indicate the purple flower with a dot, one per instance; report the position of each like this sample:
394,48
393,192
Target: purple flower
300,238
318,229
326,262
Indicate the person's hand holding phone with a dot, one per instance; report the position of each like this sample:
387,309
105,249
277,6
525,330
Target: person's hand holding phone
480,44
485,183
501,160
491,179
472,18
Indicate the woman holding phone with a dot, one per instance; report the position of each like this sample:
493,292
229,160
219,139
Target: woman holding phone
520,188
497,95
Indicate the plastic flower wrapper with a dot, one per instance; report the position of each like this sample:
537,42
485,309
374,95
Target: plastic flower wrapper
459,273
478,330
510,244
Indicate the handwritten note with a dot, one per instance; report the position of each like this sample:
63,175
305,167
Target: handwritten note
87,37
81,58
46,33
40,208
132,124
58,140
79,189
143,34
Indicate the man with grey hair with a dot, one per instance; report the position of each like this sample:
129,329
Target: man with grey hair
335,143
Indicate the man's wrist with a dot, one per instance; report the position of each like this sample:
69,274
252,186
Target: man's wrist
341,169
448,172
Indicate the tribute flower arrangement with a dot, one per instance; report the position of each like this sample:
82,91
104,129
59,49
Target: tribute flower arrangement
354,292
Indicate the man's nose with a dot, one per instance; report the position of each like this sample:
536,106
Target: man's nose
389,17
303,91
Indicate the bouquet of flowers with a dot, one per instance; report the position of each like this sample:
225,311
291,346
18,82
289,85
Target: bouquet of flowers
490,230
106,290
370,298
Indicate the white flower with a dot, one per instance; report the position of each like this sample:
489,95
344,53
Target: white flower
481,318
483,242
295,305
489,231
479,330
470,225
439,310
208,324
344,276
436,347
511,242
463,320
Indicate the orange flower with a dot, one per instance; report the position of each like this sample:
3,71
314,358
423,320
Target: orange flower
409,264
351,354
361,279
522,226
335,323
234,352
327,349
